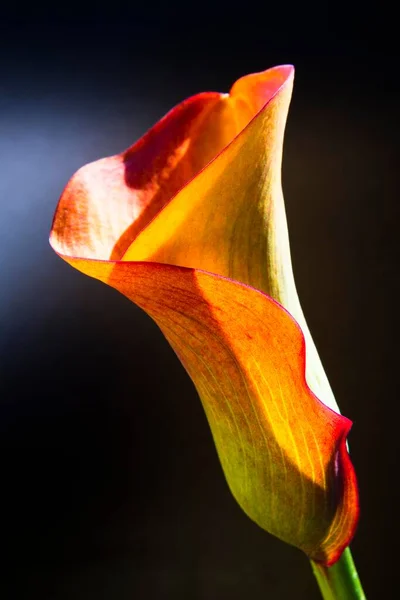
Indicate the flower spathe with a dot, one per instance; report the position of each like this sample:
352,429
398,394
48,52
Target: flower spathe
189,223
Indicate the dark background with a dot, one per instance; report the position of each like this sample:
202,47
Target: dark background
110,484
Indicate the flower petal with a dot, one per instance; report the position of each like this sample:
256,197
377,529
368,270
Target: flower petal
228,219
129,206
283,452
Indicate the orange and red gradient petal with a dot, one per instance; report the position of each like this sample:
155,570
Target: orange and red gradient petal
157,202
283,452
201,189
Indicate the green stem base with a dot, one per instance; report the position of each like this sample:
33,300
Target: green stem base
341,581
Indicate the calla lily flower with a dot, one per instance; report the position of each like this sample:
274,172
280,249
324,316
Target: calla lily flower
189,223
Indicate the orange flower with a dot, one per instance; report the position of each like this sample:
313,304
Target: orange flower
189,223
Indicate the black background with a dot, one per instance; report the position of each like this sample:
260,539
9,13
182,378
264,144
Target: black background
109,479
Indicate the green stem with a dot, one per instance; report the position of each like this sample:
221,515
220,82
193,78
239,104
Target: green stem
339,582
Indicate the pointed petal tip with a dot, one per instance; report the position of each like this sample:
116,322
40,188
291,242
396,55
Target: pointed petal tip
286,68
